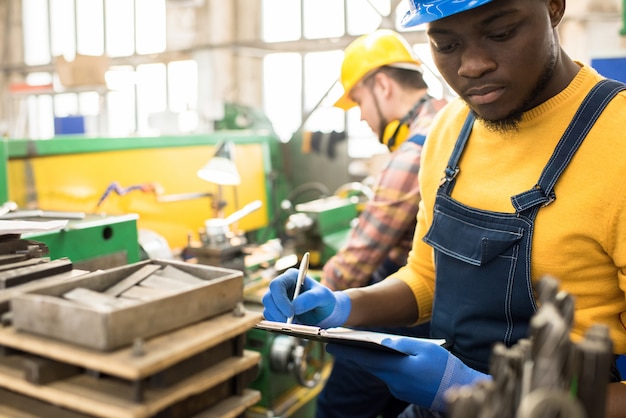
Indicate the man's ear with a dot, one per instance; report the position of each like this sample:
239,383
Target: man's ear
384,83
556,9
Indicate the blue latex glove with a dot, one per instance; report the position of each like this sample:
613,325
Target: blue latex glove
316,304
421,377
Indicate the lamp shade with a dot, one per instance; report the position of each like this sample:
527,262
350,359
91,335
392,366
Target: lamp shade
221,169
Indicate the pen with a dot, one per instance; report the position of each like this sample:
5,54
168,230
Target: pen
302,271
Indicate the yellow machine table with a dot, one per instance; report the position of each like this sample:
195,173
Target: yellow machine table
118,176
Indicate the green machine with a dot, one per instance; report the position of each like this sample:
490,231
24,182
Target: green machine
71,173
291,374
292,371
322,226
92,242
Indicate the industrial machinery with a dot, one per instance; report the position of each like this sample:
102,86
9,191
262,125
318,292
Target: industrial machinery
112,209
70,174
219,245
321,227
546,375
290,376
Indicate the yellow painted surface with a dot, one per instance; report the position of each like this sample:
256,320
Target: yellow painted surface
75,182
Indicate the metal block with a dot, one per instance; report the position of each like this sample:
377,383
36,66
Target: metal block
209,398
123,285
201,361
12,244
21,275
98,300
7,294
22,263
12,258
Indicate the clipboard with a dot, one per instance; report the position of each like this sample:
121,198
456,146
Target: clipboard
340,335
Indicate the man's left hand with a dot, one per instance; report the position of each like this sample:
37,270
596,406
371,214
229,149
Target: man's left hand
420,376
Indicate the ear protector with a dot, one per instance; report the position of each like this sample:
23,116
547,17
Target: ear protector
397,131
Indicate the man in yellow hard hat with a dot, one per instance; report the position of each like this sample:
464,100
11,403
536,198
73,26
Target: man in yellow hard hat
381,76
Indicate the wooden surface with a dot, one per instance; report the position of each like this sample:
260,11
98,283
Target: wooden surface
233,406
107,385
113,398
14,405
159,352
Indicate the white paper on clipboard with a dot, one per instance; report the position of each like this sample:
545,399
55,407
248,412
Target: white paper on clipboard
340,335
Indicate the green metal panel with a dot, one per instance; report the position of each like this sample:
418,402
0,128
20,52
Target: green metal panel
94,238
22,148
336,218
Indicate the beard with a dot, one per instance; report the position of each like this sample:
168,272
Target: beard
510,123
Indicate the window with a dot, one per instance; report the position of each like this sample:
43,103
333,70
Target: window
133,94
365,16
36,33
320,82
281,20
322,19
144,88
120,30
283,106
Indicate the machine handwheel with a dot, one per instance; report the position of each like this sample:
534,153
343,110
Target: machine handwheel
307,366
305,358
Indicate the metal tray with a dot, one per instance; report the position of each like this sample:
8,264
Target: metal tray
46,312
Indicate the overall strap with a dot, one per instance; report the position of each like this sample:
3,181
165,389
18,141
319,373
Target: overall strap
453,164
586,115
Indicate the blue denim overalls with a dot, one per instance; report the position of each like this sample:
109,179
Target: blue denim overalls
484,290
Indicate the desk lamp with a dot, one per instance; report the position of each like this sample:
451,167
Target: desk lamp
221,170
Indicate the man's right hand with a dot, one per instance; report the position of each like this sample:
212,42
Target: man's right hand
316,304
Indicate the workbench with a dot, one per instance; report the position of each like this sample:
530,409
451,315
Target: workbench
121,383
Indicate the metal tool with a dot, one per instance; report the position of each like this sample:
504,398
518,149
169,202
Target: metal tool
590,360
217,229
551,344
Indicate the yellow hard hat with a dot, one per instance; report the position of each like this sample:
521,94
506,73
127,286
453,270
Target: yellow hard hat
369,52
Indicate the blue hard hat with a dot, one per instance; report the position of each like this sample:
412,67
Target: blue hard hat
424,11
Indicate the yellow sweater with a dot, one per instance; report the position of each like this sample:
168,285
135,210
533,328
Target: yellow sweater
580,238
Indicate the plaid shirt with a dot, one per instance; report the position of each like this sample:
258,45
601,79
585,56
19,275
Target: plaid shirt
386,225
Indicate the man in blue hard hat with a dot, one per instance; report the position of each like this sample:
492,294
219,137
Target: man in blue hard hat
521,177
